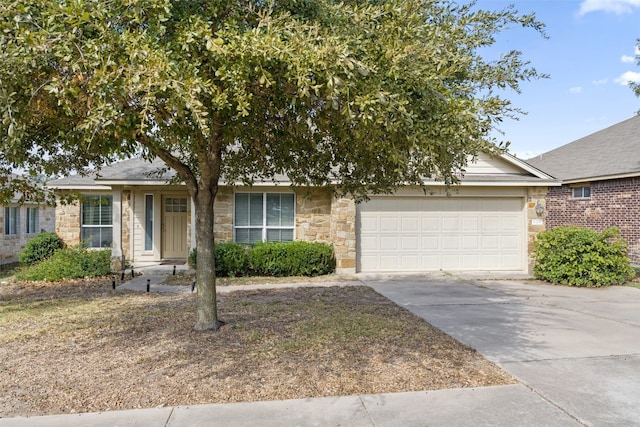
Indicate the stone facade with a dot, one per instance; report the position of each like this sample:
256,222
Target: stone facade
223,213
613,202
12,245
343,234
313,216
536,223
68,223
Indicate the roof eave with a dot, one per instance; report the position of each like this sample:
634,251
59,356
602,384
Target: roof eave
601,178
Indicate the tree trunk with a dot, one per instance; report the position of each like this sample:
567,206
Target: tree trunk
207,311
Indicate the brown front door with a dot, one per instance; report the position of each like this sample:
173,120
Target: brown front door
174,227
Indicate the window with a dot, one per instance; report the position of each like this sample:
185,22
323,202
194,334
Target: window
264,217
32,220
581,192
148,222
11,221
97,221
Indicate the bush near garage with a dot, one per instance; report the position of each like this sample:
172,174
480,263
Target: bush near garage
69,263
271,259
40,247
579,256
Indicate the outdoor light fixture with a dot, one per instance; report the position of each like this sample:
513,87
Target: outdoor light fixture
539,208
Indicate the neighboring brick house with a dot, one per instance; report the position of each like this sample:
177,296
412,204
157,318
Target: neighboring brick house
19,223
600,177
488,223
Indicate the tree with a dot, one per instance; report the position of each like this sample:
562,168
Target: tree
635,86
360,96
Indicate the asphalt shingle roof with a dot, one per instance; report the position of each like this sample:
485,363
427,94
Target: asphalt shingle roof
609,152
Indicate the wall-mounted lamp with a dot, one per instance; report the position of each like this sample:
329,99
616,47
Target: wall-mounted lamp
539,208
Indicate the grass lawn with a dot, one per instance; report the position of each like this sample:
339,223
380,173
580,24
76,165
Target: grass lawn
79,346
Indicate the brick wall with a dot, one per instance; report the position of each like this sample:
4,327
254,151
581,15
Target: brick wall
612,203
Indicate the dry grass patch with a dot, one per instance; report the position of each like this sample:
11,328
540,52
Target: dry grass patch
80,346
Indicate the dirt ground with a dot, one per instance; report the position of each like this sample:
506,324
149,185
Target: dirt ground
80,346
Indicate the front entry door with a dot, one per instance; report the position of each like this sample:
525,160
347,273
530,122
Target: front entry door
174,227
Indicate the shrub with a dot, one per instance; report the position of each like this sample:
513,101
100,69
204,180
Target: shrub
193,256
40,247
69,263
271,259
232,259
292,259
579,256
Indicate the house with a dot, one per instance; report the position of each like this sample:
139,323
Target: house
487,223
600,177
19,223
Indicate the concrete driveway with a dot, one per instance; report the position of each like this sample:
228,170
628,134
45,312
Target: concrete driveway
579,349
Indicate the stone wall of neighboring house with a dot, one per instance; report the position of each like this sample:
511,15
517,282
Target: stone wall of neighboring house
12,245
612,203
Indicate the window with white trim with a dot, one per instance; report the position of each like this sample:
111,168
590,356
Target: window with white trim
97,221
32,220
583,192
268,217
11,221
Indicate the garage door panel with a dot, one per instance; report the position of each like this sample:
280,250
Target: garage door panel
429,224
424,233
470,224
389,225
430,243
368,225
450,224
410,243
470,242
389,243
490,242
410,225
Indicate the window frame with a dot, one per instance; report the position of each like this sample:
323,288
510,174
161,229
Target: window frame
149,212
265,227
11,229
84,198
582,189
31,213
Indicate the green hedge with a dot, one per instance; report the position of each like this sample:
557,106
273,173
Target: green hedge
69,263
579,256
40,247
271,259
292,259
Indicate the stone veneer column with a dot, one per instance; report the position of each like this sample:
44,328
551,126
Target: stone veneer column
67,223
343,234
535,223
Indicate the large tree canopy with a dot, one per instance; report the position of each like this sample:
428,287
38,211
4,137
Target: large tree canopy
359,95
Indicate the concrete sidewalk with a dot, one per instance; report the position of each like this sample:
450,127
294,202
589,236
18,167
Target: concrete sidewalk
489,406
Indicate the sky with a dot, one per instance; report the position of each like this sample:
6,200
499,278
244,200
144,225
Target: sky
591,54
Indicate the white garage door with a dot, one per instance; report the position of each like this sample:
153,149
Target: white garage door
398,234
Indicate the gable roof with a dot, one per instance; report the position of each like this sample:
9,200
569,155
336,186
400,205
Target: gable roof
485,171
611,153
